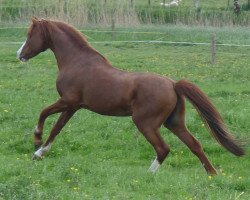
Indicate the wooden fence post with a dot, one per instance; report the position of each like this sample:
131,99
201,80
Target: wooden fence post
213,47
149,2
132,2
113,25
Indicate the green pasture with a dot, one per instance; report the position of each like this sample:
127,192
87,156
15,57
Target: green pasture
100,157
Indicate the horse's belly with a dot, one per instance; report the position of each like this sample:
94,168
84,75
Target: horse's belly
111,112
116,112
109,109
108,99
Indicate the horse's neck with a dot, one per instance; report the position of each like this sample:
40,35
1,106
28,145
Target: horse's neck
62,48
66,51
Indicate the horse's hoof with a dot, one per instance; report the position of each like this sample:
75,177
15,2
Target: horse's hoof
212,172
37,157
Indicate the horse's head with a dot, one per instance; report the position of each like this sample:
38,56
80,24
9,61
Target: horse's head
35,42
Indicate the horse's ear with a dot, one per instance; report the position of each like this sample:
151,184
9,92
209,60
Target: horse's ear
34,20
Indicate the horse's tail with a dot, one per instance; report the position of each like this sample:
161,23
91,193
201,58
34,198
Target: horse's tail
210,116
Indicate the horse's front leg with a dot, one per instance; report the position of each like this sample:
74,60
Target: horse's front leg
57,107
63,119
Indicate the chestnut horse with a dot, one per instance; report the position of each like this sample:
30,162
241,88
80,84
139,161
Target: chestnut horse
87,80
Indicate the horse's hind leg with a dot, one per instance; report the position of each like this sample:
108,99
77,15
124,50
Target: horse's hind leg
176,124
63,119
194,145
153,136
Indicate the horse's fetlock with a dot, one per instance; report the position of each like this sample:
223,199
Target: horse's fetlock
162,154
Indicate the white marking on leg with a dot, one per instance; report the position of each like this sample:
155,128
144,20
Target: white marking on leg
42,151
47,148
20,50
37,130
39,153
154,166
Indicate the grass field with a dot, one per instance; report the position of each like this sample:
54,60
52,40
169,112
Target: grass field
99,157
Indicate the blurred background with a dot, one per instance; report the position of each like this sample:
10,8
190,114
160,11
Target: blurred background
130,12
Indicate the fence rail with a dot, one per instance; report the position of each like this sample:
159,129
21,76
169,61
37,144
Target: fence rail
149,42
157,41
